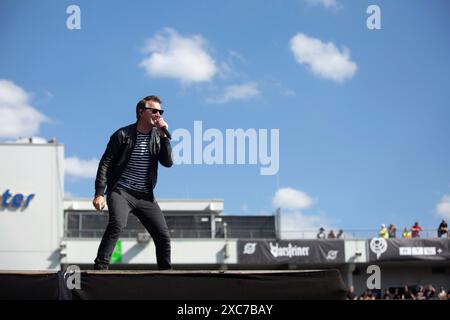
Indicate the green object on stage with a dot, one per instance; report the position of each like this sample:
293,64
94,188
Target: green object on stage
116,256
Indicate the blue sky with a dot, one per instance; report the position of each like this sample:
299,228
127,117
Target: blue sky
363,114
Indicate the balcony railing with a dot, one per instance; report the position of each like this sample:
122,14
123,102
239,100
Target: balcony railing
351,234
176,233
244,234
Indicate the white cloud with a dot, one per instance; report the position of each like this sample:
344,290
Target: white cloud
443,207
17,116
324,59
236,55
279,87
292,199
80,168
236,92
326,3
186,59
289,93
295,224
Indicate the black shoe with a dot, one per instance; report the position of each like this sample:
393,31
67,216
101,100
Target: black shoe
100,267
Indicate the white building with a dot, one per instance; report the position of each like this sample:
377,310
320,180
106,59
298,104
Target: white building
31,229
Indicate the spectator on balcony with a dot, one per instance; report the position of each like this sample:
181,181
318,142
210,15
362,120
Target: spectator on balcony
415,230
387,295
430,292
408,294
340,234
420,296
442,295
392,230
321,234
368,295
420,293
396,295
443,229
383,233
331,234
406,233
351,293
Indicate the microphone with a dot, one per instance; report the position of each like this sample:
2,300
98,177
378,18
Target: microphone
164,129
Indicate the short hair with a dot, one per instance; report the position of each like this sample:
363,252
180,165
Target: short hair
141,104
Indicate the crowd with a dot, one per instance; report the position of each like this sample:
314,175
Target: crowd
331,235
413,232
390,232
418,292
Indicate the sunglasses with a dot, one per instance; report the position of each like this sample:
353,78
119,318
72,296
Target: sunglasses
154,111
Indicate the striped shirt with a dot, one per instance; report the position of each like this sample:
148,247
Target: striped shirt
135,176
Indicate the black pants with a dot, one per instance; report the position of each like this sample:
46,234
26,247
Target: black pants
121,203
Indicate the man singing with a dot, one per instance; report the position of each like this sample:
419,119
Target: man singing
128,171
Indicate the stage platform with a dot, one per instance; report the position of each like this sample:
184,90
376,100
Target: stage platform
173,285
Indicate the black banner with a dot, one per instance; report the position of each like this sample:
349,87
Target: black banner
408,249
291,251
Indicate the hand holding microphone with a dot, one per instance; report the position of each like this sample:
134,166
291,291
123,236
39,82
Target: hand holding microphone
162,125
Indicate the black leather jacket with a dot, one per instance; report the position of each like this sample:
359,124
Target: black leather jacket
117,154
